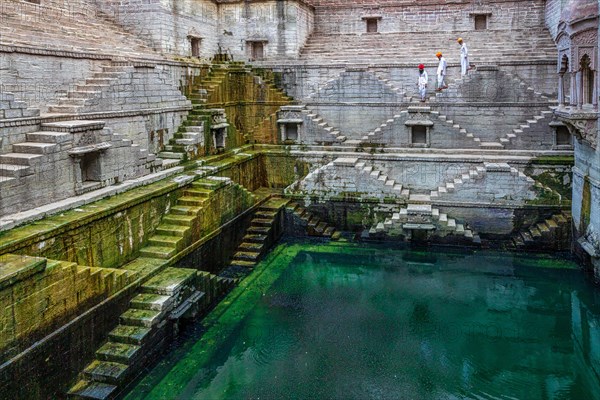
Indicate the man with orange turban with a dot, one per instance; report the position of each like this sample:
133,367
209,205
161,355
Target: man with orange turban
441,72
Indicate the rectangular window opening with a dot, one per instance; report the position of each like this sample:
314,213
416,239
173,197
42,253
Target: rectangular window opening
563,137
291,132
419,134
480,22
372,25
195,43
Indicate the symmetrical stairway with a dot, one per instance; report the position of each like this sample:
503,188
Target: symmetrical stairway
348,175
420,215
310,223
474,173
553,233
143,329
321,128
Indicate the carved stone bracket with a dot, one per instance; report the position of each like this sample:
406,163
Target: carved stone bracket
581,123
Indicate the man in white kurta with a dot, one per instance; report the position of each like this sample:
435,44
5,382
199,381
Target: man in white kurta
422,82
464,57
441,72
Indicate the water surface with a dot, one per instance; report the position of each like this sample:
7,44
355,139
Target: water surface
347,321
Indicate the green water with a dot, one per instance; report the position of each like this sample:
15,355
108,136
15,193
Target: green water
344,321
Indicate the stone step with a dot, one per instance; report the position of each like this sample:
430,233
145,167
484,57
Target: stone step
246,256
139,317
260,230
158,252
14,171
123,353
250,238
261,222
191,201
171,155
175,242
172,230
183,220
151,301
128,334
49,137
185,210
21,159
106,372
243,264
170,281
251,247
86,390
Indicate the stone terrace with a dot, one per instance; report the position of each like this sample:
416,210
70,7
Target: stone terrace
54,27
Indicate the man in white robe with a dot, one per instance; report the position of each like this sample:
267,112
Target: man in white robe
464,57
422,82
441,72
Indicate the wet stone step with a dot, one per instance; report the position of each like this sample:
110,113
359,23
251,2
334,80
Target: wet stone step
183,220
151,301
136,317
251,246
255,238
262,222
123,353
130,334
246,256
266,214
106,372
185,210
92,390
261,230
170,281
158,252
172,230
243,264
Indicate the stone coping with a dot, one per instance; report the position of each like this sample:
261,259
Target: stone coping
55,117
432,105
428,154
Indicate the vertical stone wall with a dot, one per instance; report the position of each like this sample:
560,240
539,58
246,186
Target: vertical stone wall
402,16
283,27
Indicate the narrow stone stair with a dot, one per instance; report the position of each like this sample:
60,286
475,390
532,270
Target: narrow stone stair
141,330
262,233
550,234
310,223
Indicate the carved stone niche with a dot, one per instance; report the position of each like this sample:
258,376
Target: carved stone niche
582,124
419,124
289,121
218,128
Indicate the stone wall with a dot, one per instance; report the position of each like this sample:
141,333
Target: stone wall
346,17
283,27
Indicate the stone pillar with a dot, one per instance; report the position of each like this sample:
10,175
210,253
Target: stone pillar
579,88
561,89
595,92
573,89
77,175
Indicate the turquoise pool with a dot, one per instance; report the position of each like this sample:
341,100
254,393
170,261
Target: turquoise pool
349,321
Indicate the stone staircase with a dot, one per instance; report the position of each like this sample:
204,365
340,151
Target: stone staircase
474,173
84,93
143,329
477,173
317,124
54,141
526,130
311,224
178,228
462,131
515,45
551,234
420,215
70,28
348,175
386,127
261,234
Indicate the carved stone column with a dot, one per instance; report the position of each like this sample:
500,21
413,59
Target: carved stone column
561,89
579,83
573,89
595,93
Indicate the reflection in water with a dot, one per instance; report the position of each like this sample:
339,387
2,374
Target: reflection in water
376,323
